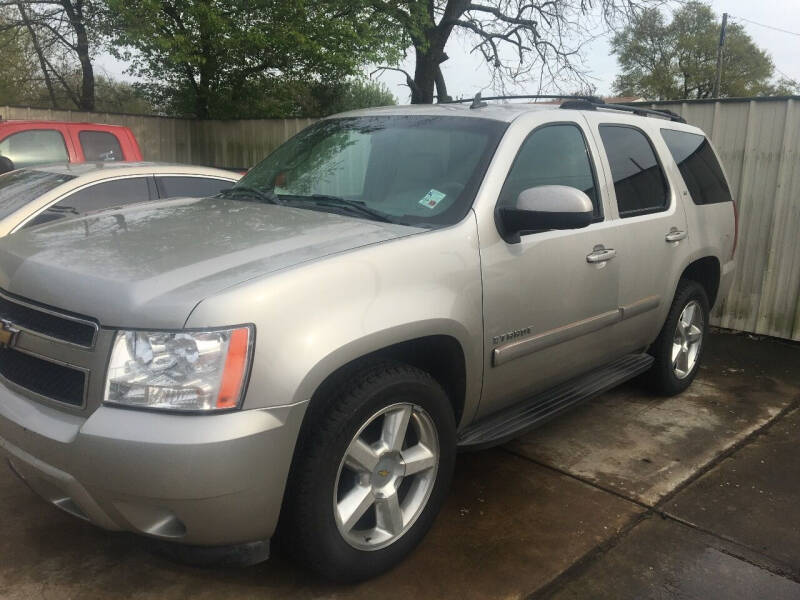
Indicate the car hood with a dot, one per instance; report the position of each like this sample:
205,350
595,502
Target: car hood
149,265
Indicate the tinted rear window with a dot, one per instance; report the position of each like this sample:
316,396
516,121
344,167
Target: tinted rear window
639,182
191,187
20,187
100,146
698,166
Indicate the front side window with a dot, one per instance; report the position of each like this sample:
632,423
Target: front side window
552,155
639,182
190,187
414,170
698,166
107,194
18,188
100,146
34,147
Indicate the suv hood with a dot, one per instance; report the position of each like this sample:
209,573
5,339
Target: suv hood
149,265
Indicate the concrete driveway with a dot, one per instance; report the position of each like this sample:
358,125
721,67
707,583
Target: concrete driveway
629,496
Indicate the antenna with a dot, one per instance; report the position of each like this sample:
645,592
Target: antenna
477,102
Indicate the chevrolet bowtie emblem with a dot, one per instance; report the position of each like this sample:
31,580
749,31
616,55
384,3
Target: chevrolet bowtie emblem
7,334
383,472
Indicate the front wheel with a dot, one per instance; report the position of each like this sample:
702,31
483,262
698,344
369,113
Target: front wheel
371,471
679,347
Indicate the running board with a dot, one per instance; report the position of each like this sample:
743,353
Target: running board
520,418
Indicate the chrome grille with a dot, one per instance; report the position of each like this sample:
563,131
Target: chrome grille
58,382
57,358
73,329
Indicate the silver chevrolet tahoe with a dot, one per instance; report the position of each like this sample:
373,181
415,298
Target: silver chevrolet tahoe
300,357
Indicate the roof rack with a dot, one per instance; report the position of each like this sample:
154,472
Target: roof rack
479,102
576,102
636,110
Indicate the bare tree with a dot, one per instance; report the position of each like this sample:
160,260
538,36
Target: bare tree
518,39
59,31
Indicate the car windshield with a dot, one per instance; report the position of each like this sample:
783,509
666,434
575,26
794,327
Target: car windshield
413,170
18,188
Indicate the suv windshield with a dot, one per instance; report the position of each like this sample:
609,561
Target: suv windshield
17,188
413,170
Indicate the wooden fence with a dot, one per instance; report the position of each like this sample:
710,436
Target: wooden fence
227,144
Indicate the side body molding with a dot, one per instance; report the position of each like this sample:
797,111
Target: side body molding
519,348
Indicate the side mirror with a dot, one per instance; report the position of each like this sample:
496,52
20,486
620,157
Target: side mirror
542,208
6,165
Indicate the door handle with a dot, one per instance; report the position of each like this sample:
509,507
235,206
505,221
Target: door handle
601,255
676,235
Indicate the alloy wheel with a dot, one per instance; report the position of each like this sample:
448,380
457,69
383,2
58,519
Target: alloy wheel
386,476
687,340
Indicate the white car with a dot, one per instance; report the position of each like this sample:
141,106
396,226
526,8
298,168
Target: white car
37,195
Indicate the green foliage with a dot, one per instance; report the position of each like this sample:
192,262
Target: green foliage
348,95
21,83
217,59
675,60
121,97
17,83
785,87
276,98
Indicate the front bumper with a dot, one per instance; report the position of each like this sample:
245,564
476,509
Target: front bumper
201,480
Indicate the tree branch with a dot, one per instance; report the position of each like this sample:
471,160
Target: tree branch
409,79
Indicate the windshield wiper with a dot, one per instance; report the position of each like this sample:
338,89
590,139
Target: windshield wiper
354,207
244,191
63,209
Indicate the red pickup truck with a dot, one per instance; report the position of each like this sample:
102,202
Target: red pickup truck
27,143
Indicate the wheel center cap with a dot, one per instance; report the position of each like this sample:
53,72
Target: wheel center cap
389,469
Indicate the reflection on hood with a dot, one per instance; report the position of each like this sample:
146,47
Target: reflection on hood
163,258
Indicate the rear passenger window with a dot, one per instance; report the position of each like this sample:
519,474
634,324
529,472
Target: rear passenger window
100,146
698,166
192,187
552,155
34,147
639,182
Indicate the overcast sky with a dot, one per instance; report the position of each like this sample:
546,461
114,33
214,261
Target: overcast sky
466,74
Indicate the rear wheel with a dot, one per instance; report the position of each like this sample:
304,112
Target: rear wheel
679,346
371,471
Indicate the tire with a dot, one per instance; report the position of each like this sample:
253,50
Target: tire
669,376
362,404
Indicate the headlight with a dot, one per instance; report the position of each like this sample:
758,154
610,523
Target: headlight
188,370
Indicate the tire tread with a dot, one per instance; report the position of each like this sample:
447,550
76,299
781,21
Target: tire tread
660,378
327,415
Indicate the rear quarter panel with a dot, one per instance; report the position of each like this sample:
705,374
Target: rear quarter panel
711,227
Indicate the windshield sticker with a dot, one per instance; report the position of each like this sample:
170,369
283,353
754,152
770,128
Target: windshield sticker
431,199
